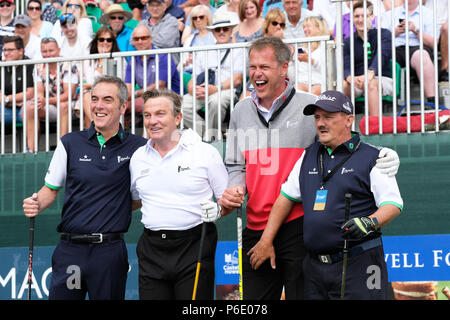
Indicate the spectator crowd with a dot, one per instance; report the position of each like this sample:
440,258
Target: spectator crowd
78,28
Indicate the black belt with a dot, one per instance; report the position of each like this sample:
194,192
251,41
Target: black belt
91,238
175,234
354,251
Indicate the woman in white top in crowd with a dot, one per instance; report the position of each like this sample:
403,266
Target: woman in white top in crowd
39,28
230,10
201,17
312,27
76,8
250,26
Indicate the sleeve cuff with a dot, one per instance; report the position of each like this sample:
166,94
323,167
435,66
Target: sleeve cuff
290,198
393,203
52,187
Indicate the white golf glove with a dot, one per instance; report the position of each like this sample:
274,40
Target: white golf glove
388,162
210,211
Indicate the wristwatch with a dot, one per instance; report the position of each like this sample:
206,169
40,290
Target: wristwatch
7,99
375,222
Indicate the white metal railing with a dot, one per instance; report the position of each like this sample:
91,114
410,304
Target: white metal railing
15,140
406,95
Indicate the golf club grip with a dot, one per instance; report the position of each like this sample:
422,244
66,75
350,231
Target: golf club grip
348,200
239,226
202,241
30,257
199,263
239,236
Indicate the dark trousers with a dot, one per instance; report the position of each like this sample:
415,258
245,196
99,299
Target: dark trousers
100,270
168,262
401,54
366,277
266,283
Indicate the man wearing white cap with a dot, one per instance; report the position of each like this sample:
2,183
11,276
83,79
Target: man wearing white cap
115,17
219,91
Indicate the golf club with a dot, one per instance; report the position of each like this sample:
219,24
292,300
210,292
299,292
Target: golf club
239,237
348,199
199,261
30,257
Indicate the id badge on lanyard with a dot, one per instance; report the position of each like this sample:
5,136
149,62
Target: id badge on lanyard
321,200
321,194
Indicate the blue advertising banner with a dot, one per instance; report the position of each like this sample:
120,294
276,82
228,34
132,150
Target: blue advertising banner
417,266
418,258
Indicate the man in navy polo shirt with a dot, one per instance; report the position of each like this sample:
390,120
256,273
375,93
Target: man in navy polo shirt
337,164
93,166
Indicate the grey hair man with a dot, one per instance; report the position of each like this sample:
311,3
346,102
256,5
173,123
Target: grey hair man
295,16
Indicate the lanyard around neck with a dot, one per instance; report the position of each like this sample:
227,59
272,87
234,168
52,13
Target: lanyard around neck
332,172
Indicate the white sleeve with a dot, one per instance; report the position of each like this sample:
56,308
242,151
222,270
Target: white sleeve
133,176
385,189
85,27
57,170
291,188
217,173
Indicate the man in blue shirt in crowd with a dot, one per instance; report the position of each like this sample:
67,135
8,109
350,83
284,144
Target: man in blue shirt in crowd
115,17
372,58
416,16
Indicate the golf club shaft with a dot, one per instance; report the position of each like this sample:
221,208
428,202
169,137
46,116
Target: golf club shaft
30,257
199,261
239,236
348,199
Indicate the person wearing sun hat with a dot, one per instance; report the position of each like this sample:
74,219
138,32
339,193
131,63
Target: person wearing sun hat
115,17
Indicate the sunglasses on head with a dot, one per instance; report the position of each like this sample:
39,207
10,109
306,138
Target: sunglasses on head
48,39
101,39
76,6
67,20
276,23
221,29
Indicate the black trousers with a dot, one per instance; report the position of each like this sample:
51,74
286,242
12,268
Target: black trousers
266,283
366,277
168,262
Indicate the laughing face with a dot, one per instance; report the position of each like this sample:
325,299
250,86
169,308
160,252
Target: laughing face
106,108
267,75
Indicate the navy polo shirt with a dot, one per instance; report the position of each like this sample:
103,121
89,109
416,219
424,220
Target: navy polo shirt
96,178
322,233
